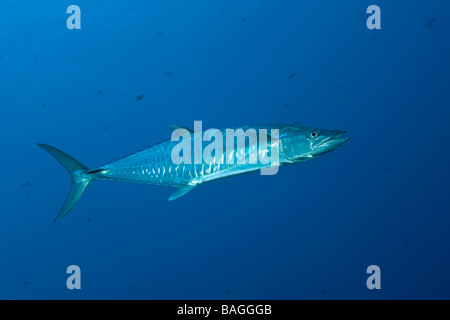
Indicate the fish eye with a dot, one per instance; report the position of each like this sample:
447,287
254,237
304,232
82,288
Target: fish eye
313,135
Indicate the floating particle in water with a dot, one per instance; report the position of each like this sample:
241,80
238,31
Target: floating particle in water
407,242
386,169
26,283
27,184
140,97
106,128
340,85
243,19
43,105
286,105
324,291
430,23
168,73
404,208
84,258
224,11
89,220
100,92
159,33
291,76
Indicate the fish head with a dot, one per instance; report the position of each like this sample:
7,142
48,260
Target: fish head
304,143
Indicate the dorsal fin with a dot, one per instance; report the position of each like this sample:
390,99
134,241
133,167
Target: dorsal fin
174,127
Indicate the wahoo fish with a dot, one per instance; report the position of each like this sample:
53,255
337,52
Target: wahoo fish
160,164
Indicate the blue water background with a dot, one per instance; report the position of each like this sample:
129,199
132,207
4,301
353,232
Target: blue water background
308,232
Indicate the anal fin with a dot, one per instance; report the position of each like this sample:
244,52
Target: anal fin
180,191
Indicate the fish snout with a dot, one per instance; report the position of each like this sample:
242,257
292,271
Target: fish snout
331,141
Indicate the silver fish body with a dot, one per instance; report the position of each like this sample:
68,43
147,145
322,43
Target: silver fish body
156,165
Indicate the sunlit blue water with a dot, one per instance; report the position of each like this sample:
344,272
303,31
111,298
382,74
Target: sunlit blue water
308,232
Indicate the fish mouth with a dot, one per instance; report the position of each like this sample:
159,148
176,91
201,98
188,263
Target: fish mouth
332,141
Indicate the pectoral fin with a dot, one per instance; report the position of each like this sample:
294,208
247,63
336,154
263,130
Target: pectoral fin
180,191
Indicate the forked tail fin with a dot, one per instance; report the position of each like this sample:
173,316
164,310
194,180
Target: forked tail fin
80,179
